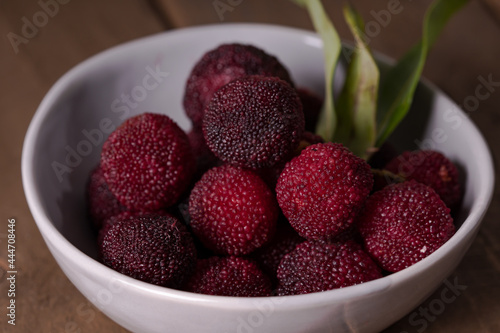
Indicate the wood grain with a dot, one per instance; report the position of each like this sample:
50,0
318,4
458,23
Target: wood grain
47,302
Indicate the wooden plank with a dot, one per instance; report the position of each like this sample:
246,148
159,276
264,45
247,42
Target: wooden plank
389,38
45,299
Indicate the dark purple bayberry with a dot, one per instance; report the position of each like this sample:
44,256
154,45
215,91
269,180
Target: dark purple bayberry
151,248
254,122
222,65
320,266
229,276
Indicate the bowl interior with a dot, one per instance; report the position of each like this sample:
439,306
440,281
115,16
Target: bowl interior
64,140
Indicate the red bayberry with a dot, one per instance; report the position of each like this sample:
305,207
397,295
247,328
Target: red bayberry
404,223
152,248
254,122
232,210
323,189
432,169
147,162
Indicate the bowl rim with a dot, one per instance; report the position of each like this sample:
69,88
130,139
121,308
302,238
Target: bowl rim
55,239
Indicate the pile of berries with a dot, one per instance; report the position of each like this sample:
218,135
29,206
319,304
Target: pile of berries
251,202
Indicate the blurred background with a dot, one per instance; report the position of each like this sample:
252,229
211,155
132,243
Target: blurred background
41,40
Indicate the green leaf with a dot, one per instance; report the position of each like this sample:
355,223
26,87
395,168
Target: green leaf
357,103
332,46
398,87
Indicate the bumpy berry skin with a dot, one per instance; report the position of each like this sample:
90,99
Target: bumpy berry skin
432,169
108,223
232,210
147,162
323,189
229,276
254,122
102,204
125,215
404,223
320,266
151,248
222,65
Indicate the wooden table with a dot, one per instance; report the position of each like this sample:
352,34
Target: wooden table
72,31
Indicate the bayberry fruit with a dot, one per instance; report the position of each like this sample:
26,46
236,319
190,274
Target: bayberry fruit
404,223
254,122
232,210
323,189
315,266
147,162
229,276
222,65
151,248
431,168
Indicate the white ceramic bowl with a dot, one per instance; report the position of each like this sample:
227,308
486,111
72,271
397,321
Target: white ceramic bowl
63,144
